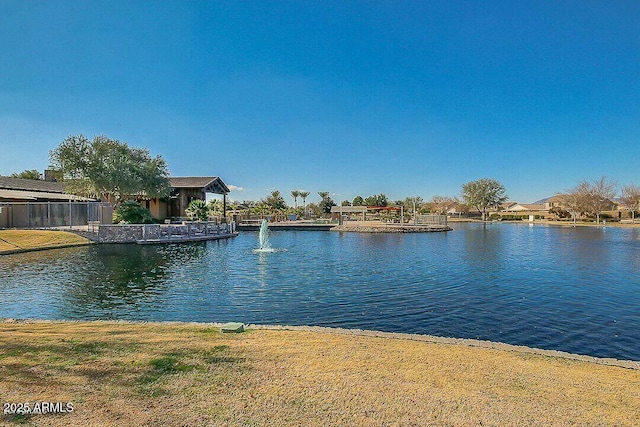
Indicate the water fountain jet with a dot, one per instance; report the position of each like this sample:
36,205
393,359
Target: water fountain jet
263,239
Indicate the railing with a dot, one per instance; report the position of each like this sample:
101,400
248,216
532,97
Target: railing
52,214
432,220
185,230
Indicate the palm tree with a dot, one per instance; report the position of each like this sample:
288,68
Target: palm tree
304,195
295,194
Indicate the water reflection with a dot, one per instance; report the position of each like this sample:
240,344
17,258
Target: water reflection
118,279
550,287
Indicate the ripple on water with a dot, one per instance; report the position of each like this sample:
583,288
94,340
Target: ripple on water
568,289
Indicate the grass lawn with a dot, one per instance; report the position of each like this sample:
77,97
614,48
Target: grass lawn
11,240
123,374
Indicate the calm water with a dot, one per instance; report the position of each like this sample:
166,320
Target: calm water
568,289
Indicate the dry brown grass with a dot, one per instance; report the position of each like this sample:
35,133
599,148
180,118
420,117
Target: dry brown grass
187,374
11,240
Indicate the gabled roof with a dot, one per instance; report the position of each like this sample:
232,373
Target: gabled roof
21,184
208,184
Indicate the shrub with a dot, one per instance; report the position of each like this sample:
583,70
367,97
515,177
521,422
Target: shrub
132,212
198,209
509,217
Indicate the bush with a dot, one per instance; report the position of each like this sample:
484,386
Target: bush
508,217
198,209
559,212
131,212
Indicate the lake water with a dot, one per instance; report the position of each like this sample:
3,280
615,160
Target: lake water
570,289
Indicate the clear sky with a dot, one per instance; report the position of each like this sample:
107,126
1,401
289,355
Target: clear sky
352,97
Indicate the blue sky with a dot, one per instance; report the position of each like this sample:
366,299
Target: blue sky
352,97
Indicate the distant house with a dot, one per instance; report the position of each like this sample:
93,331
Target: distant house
553,202
184,190
34,190
558,202
523,207
29,203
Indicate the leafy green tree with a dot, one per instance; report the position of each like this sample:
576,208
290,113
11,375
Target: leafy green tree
275,201
377,200
215,207
198,209
358,201
314,209
326,203
295,194
132,212
484,194
345,203
411,205
110,169
27,174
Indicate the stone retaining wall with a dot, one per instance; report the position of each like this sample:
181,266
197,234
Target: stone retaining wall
121,233
392,229
131,233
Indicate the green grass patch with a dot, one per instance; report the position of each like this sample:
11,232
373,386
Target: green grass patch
168,364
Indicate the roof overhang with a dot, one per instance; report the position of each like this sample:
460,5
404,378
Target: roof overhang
38,196
207,184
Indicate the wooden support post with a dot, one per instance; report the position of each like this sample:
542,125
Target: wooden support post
224,208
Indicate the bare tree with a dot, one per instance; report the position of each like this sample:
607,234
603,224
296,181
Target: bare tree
631,198
574,200
590,198
599,195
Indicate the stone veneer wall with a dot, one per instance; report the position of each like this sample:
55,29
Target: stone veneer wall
392,229
130,233
121,233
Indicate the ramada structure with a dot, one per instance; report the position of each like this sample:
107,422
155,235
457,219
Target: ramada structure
183,191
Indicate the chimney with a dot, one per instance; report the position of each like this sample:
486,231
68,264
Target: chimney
52,175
